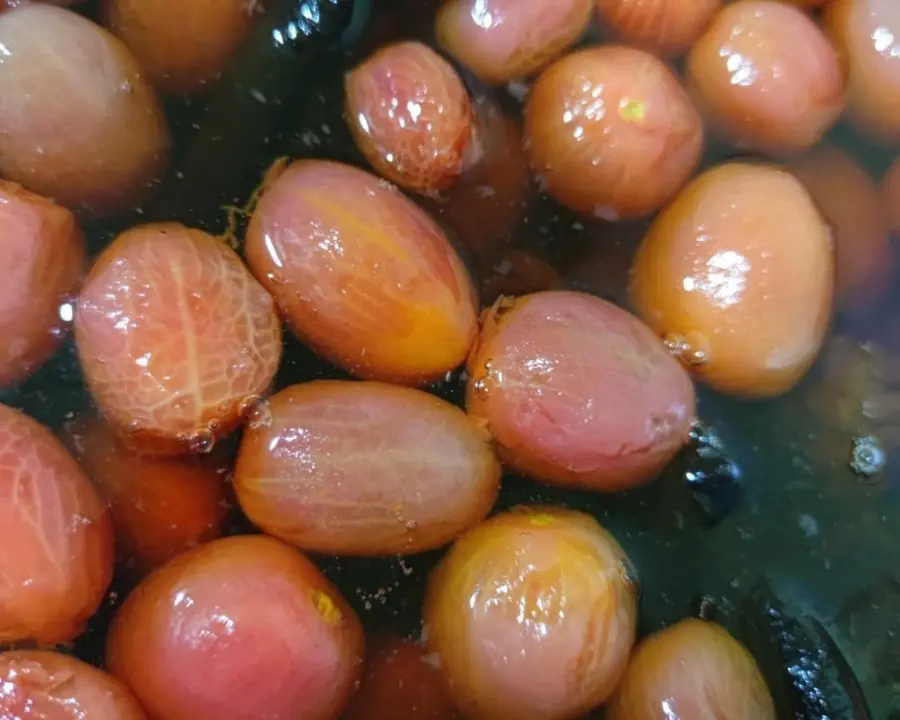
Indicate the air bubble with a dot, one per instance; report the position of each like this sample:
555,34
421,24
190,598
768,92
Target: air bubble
690,349
202,442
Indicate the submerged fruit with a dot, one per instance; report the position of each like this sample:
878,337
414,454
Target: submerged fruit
532,615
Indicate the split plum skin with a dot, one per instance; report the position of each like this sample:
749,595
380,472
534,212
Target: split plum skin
362,274
176,338
56,562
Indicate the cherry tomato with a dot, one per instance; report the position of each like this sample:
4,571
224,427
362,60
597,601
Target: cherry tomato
56,561
243,627
532,615
176,338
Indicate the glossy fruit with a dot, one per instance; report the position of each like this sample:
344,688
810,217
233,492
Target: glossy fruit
737,276
503,40
182,46
176,338
767,77
517,272
532,615
401,680
159,506
867,33
363,468
578,392
410,116
78,121
362,274
56,559
41,260
669,27
52,686
611,132
695,670
243,627
849,201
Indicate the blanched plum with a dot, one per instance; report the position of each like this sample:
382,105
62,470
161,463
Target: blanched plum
890,195
363,468
41,261
503,40
176,338
695,670
611,132
401,681
669,27
240,628
867,33
181,46
362,274
78,120
53,686
578,392
767,77
159,506
56,558
532,616
411,117
737,275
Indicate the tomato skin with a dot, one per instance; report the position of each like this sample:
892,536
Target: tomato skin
577,392
191,640
57,560
364,468
532,615
176,339
362,274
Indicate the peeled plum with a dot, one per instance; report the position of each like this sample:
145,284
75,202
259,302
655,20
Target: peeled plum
666,26
238,629
362,274
578,392
52,686
363,468
176,338
56,558
695,670
41,262
78,121
532,615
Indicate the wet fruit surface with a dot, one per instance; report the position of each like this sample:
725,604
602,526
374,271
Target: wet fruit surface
49,685
365,469
503,40
767,77
41,262
666,26
362,274
576,391
190,640
532,615
57,560
411,117
696,670
176,338
78,121
737,276
611,132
